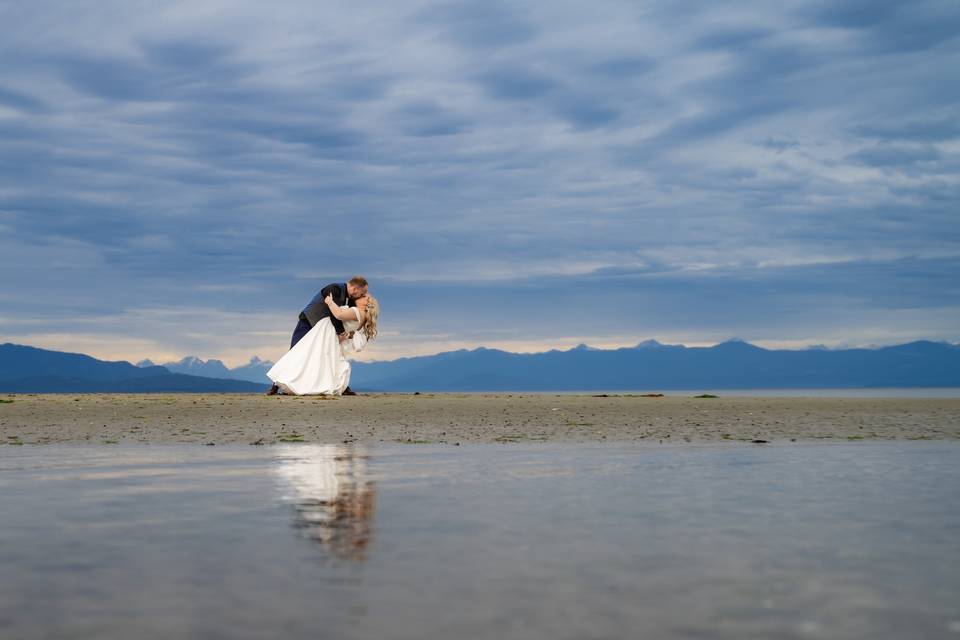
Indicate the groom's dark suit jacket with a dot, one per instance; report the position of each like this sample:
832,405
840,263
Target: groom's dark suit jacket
317,309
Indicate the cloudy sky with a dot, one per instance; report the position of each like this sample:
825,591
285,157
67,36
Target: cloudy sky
181,177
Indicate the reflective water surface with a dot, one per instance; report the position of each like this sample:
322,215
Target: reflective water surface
834,392
858,540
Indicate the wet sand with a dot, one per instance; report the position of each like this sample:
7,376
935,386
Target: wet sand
465,418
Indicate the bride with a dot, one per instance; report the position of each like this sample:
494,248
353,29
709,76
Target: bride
318,365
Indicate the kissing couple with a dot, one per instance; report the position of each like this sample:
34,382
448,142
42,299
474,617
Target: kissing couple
337,323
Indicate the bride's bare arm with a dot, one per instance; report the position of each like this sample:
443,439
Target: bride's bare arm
342,314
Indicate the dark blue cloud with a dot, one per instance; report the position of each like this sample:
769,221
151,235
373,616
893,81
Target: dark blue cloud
888,26
494,23
163,70
510,83
856,14
111,78
720,119
184,54
935,128
896,155
425,119
621,68
21,101
586,111
734,40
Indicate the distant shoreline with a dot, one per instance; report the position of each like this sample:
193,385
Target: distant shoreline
460,418
771,392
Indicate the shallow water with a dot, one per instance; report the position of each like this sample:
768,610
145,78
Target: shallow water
842,392
553,541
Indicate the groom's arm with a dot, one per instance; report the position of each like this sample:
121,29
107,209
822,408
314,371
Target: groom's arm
338,294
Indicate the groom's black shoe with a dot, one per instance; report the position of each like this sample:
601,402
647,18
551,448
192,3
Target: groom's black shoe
273,390
349,392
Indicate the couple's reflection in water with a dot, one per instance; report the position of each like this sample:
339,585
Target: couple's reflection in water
333,497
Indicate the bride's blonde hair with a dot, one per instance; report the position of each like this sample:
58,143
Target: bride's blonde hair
372,313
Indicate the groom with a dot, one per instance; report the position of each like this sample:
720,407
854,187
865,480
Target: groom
317,309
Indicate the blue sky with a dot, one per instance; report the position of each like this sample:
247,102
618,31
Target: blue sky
179,178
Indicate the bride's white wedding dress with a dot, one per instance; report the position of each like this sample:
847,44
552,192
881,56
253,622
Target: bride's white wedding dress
317,365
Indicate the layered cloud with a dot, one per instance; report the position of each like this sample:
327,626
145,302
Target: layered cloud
182,178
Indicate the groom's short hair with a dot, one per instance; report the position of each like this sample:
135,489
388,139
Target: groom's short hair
358,281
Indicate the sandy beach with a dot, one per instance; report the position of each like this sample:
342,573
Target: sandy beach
464,418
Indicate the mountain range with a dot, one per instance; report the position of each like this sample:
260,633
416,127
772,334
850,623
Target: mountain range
253,371
650,365
26,369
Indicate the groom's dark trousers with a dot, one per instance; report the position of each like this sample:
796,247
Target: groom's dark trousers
303,328
317,309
